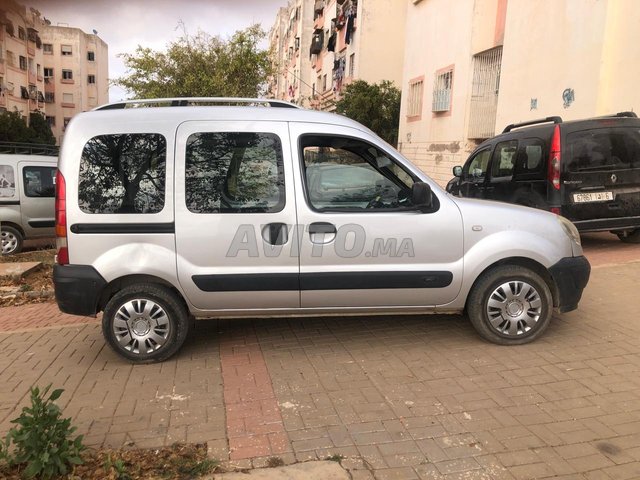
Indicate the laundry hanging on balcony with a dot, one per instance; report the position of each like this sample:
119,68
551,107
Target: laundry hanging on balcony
317,42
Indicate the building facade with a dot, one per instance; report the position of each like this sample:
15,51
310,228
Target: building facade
341,41
21,60
471,67
76,74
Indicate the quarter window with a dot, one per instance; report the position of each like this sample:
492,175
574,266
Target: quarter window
234,173
123,173
504,159
348,174
7,181
39,181
530,156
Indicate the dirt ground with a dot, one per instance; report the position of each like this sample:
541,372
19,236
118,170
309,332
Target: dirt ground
32,285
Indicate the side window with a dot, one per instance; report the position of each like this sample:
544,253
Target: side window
123,173
39,181
7,182
234,173
530,157
477,168
504,159
349,174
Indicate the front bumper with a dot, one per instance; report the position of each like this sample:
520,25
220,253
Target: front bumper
78,289
570,275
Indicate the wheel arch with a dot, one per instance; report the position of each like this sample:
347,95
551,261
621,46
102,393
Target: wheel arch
16,226
114,286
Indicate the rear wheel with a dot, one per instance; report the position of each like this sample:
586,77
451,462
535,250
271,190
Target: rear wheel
631,237
510,305
11,240
145,323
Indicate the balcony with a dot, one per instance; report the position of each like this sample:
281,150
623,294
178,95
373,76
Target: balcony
32,77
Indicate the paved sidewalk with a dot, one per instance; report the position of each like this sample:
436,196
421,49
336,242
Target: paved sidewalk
398,397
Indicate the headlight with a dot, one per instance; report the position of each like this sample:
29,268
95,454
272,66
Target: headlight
570,229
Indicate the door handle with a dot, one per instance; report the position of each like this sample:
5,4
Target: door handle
322,227
275,233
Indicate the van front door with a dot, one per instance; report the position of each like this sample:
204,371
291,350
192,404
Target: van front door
235,216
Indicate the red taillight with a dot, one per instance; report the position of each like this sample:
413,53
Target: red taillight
555,210
554,159
62,256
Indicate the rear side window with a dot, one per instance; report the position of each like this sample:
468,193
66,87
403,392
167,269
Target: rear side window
504,159
7,182
229,172
39,182
604,149
123,173
530,156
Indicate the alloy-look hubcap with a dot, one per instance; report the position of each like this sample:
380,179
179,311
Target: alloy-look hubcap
141,326
9,242
514,308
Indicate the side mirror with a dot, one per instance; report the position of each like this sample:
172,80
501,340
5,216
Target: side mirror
457,171
421,196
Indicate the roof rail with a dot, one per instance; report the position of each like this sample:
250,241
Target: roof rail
191,101
15,148
621,114
508,128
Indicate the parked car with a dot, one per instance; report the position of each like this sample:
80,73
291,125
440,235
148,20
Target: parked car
586,170
27,192
165,214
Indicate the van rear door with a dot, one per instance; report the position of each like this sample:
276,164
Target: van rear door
602,174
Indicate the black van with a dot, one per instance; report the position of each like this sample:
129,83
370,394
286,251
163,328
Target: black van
585,170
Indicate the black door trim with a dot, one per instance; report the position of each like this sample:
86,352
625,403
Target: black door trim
42,223
259,282
107,228
9,202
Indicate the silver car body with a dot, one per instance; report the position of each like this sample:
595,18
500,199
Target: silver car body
464,236
24,206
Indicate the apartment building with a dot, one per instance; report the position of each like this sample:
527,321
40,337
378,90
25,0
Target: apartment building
291,63
473,66
21,60
342,40
76,74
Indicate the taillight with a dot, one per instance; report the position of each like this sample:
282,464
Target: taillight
554,159
62,256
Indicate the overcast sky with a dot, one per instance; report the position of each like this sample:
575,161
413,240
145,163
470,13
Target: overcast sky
125,24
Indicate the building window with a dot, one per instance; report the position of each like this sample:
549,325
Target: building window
67,75
484,93
313,90
22,35
11,58
91,56
324,83
91,79
414,104
49,97
442,91
66,50
38,70
352,64
67,98
47,49
23,63
48,72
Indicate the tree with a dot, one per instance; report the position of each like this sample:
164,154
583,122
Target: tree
376,106
14,129
200,66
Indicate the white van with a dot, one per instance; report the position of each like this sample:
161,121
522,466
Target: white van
169,213
27,192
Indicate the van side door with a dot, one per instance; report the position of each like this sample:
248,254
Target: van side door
37,198
235,216
500,185
474,174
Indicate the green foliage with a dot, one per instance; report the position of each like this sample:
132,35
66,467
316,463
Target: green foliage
273,462
200,66
197,468
376,106
14,129
116,467
42,439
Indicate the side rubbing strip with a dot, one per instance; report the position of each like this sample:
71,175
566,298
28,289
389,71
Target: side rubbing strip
106,228
321,281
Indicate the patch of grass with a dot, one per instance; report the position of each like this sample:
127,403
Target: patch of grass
273,462
25,287
197,468
116,468
335,457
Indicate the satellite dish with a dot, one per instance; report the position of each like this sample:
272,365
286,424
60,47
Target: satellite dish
95,32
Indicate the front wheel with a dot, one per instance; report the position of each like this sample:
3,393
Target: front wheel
510,305
145,323
631,237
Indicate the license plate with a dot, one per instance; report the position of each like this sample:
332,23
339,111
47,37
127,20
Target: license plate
592,197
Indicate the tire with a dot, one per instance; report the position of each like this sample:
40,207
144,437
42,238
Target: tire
11,240
145,323
515,316
631,237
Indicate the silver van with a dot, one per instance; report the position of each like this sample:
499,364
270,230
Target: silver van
179,209
27,192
